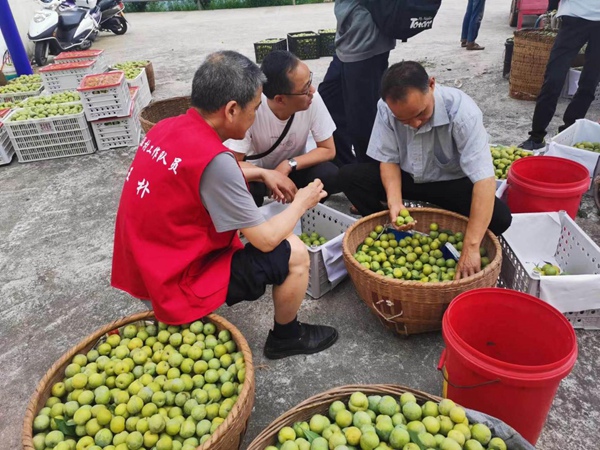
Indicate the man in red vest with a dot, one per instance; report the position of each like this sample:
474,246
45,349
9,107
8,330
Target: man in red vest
183,202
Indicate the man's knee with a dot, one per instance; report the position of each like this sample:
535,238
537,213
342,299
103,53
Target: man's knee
299,258
501,222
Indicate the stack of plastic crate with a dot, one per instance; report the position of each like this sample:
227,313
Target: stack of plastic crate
84,55
6,148
67,76
111,108
141,81
51,137
118,132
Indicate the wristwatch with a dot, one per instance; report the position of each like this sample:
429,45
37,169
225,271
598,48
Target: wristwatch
293,164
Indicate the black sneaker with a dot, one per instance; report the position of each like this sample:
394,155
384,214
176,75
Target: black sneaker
313,339
530,144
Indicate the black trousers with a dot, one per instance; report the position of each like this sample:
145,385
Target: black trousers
351,92
573,34
327,172
362,185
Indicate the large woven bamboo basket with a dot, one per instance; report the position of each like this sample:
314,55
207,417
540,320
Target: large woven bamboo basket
228,436
530,55
411,307
162,109
319,404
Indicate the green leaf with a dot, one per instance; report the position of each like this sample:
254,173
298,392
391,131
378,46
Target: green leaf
310,435
67,430
414,437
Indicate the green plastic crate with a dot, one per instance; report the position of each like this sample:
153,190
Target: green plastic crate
327,42
304,44
264,47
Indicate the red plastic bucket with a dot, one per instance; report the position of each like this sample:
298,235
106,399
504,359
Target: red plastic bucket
546,184
506,353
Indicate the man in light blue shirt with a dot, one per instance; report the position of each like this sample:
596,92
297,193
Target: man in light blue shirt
580,24
431,145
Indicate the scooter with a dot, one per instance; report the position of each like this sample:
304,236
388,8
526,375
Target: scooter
61,26
113,17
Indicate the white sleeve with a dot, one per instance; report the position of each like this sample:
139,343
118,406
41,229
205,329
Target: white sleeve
322,125
242,145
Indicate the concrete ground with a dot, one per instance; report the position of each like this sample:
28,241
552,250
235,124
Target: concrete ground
57,219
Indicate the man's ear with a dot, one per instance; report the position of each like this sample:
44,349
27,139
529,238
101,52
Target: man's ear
279,99
231,110
432,83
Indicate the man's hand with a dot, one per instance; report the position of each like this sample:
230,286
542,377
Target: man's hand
309,196
469,263
395,208
284,168
282,188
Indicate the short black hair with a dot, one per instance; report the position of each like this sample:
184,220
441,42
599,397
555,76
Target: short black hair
401,77
225,76
276,66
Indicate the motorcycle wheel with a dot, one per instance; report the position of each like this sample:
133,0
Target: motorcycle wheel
42,50
120,26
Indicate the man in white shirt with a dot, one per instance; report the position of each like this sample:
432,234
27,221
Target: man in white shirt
580,24
289,96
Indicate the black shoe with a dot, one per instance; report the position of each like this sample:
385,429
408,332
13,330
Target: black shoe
530,144
313,339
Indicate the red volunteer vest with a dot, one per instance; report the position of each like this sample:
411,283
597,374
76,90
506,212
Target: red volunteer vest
166,247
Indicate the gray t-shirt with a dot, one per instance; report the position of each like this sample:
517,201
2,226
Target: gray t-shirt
225,196
357,37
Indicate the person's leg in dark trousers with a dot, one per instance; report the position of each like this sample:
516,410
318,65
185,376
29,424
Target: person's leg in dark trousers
572,35
476,16
589,79
466,22
361,88
362,185
330,90
327,172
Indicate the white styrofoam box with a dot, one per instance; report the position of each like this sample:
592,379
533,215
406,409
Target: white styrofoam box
582,130
105,95
536,238
51,137
84,55
15,97
7,150
331,224
118,131
66,77
141,81
572,83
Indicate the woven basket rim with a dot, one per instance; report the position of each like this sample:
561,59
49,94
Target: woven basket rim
247,390
330,396
158,104
442,285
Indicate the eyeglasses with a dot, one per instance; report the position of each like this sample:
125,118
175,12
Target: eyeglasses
307,90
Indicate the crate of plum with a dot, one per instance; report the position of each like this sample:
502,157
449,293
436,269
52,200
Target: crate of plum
67,76
304,44
321,229
84,55
7,150
137,75
49,131
327,42
19,89
105,95
266,46
503,156
580,143
117,131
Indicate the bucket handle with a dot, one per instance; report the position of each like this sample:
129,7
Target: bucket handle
441,367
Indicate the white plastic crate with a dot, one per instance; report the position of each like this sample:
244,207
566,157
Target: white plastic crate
572,83
332,225
7,150
135,98
49,138
536,238
582,130
117,132
84,55
15,97
105,95
141,81
66,77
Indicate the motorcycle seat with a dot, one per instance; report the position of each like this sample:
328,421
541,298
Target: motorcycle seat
70,19
107,4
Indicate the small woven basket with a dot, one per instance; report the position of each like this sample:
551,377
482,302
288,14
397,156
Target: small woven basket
162,109
319,404
406,306
227,436
530,56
